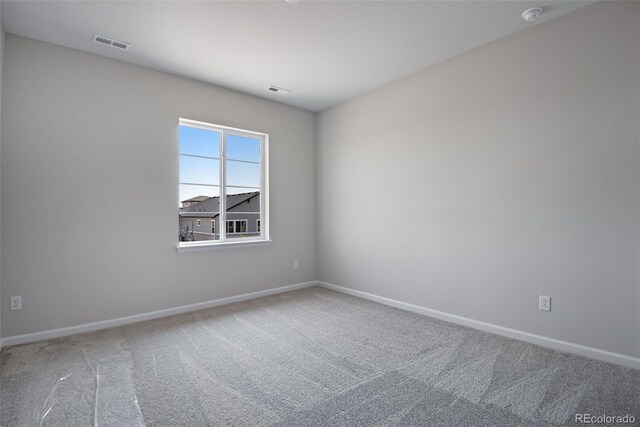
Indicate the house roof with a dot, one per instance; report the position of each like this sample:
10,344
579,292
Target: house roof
196,199
233,200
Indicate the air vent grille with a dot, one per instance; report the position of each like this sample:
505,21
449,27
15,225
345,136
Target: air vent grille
110,42
120,45
279,90
103,40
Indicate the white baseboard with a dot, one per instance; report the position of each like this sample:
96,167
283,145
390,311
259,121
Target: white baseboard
568,347
564,346
104,324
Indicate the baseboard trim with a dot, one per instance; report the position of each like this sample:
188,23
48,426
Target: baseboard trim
564,346
105,324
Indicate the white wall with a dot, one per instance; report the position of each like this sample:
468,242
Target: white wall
89,190
471,187
505,173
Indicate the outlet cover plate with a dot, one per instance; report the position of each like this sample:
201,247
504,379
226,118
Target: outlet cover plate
16,303
544,303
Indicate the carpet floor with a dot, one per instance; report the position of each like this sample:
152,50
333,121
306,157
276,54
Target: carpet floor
311,357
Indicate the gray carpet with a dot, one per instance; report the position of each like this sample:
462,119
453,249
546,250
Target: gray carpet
306,358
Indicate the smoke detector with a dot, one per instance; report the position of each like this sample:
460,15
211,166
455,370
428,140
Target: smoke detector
278,90
111,42
532,14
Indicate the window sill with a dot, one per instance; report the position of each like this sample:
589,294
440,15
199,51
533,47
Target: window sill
194,247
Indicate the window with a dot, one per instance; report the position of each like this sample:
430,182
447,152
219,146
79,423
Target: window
237,226
223,177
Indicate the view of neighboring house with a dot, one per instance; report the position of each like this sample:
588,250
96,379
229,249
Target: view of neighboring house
200,217
193,201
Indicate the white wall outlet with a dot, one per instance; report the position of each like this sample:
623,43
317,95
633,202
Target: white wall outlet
16,303
545,303
296,265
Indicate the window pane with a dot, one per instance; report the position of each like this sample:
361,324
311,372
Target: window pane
243,148
196,170
199,142
243,186
243,174
198,216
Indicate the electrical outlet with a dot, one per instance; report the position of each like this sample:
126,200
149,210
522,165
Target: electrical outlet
544,303
295,265
16,303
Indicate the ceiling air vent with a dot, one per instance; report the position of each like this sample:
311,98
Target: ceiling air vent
110,42
276,89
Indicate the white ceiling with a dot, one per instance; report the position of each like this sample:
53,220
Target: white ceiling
324,52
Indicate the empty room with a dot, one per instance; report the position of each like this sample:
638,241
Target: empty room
319,213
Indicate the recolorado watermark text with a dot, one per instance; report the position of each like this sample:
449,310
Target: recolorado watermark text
604,419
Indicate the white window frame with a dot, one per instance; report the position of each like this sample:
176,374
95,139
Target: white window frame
235,225
264,237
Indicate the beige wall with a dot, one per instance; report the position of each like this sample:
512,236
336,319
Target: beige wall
89,146
505,173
